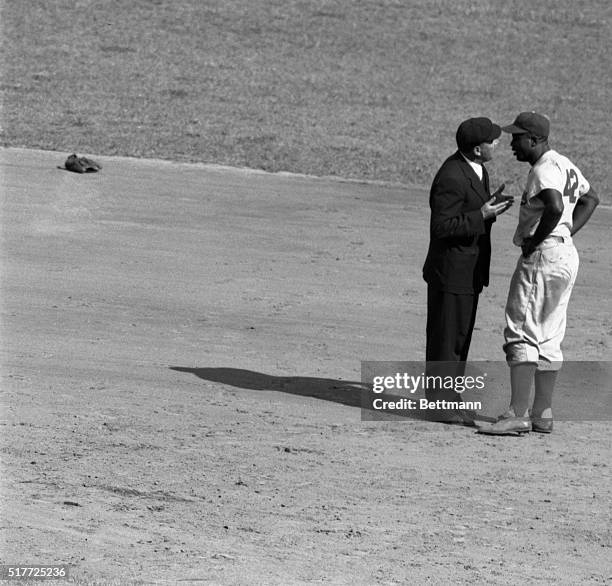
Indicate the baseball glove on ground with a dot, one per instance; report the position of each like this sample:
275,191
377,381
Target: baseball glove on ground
81,164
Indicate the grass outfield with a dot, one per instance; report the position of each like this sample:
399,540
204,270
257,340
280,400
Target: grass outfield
368,90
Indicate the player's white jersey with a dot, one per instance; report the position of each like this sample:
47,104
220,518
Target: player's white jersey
551,171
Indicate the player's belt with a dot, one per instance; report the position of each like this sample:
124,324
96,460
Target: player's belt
550,239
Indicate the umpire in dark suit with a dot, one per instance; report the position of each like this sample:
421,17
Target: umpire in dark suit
457,265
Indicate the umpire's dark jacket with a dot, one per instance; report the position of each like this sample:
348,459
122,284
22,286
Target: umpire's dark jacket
459,252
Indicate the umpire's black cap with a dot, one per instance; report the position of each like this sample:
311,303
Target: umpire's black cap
475,131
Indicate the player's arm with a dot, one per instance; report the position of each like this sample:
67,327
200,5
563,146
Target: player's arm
585,206
553,210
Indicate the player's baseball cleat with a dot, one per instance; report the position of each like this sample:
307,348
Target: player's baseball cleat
542,424
507,426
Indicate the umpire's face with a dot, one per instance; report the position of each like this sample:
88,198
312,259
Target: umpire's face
484,151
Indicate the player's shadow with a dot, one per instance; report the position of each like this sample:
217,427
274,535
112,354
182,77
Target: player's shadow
348,393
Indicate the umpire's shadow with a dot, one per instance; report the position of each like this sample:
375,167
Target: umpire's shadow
337,391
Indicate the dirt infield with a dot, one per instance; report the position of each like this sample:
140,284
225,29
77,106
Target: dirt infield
181,350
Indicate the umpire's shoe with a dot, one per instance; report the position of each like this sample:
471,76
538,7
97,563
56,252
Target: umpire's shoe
464,417
457,417
507,426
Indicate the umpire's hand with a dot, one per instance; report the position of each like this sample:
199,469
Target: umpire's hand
497,205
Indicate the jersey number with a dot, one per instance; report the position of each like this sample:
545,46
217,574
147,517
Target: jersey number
571,185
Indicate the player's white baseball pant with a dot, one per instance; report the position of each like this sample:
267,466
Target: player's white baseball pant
536,309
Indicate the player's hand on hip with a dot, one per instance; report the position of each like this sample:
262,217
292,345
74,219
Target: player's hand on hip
528,247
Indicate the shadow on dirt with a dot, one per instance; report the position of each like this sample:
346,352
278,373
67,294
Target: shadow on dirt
338,391
350,393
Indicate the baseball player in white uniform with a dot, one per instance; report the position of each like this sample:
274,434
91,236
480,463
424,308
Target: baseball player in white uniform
556,203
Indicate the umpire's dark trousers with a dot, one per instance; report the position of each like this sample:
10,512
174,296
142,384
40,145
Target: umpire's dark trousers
450,323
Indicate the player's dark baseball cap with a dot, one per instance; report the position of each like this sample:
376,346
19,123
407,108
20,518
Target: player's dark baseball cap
529,122
475,131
